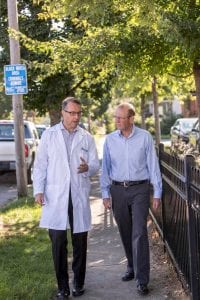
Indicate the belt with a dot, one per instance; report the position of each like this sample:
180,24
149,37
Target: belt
129,183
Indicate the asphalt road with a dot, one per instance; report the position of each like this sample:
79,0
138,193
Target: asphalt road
8,187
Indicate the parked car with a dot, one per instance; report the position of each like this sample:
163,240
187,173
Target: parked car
181,129
7,146
194,136
40,129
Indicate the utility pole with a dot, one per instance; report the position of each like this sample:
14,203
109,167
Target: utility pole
17,101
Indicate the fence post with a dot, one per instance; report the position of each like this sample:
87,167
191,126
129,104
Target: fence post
188,162
160,151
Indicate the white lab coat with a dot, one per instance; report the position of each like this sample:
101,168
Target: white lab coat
52,175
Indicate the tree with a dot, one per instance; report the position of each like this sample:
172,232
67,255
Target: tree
65,50
5,106
5,102
98,42
180,25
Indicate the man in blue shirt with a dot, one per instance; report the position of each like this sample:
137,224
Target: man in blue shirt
129,166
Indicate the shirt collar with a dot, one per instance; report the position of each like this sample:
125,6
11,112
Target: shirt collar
131,134
63,128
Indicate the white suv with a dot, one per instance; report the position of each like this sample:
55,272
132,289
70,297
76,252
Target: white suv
7,146
181,129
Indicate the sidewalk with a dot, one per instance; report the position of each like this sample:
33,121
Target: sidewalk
106,262
8,188
8,192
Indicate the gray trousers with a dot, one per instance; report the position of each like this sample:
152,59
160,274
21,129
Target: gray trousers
130,208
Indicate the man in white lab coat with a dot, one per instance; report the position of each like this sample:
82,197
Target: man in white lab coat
65,160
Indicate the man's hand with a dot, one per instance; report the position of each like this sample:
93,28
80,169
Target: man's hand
39,198
107,203
156,203
83,166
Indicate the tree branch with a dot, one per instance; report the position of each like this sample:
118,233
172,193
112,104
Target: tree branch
76,86
186,76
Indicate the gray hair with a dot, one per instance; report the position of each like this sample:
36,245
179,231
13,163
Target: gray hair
70,100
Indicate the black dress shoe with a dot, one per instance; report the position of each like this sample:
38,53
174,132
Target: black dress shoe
63,294
78,291
128,276
142,289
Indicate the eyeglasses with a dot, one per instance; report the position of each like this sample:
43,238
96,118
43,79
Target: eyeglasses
73,113
121,118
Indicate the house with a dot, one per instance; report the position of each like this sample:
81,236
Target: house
187,108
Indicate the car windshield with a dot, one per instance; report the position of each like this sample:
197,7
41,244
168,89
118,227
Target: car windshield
187,125
40,130
7,132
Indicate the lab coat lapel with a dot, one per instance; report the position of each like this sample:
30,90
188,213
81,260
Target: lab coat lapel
61,144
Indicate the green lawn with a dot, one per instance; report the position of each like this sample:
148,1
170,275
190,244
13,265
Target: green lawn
26,267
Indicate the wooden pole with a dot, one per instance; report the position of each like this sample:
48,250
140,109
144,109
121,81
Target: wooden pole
17,101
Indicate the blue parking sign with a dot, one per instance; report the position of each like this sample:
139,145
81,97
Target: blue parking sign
15,78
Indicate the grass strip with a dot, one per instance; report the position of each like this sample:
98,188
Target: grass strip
26,267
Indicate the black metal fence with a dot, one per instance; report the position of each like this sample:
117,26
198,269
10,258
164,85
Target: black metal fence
178,219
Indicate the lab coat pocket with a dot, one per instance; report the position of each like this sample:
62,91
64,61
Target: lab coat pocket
85,184
51,193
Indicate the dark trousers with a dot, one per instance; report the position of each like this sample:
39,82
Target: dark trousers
130,208
60,253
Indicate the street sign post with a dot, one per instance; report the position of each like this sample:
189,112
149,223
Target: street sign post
17,100
15,78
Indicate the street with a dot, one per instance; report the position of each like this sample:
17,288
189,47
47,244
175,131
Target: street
8,188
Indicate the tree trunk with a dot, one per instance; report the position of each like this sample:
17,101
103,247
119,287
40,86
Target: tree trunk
55,117
156,113
196,71
143,125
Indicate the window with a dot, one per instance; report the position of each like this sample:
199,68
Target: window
6,131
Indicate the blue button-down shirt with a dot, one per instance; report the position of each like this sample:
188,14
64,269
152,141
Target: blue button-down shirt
130,159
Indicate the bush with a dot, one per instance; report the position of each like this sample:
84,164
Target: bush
150,124
168,122
109,123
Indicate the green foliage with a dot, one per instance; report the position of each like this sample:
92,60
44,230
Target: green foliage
168,122
48,93
64,69
109,123
5,106
87,47
5,103
150,125
179,24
